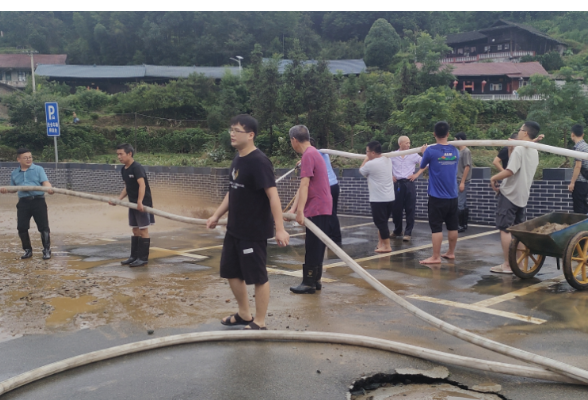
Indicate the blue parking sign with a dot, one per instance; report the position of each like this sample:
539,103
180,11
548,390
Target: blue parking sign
52,118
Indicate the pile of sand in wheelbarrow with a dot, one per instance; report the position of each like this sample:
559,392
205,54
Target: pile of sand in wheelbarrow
550,227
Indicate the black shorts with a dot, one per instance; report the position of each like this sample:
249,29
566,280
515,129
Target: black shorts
507,214
443,210
244,259
141,220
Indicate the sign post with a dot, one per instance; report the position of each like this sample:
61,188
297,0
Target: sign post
53,128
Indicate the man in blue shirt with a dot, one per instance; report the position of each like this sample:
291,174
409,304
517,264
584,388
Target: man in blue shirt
442,160
31,204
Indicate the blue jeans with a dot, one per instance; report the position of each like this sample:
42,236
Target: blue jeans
462,196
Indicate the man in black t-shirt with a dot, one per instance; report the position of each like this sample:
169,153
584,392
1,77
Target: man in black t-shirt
139,192
501,160
251,201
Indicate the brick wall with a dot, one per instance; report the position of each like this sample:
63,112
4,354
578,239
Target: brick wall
210,185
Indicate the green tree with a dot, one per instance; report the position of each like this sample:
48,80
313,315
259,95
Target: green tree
264,85
381,44
563,106
291,94
320,100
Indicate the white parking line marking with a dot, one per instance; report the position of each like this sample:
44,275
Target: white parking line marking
477,308
519,293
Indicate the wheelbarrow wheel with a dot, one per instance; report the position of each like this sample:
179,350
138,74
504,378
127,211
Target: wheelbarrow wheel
575,262
523,263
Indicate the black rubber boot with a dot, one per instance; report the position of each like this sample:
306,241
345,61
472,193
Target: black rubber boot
142,253
46,240
26,244
461,227
134,245
308,285
318,275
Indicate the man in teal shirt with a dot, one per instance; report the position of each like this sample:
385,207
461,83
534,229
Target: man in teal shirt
31,204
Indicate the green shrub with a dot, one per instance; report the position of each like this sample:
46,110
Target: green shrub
7,153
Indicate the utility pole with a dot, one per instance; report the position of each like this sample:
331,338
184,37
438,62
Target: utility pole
238,59
31,54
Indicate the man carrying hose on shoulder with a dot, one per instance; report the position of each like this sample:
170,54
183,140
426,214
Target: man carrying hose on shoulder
31,204
515,189
138,190
252,200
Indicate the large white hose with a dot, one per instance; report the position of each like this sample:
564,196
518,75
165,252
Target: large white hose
104,199
553,365
316,337
483,143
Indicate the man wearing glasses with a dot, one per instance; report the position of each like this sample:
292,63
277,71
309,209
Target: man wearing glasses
252,200
514,190
31,204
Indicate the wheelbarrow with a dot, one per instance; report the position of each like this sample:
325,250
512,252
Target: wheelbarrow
529,249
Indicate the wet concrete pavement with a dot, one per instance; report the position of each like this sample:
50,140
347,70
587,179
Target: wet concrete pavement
83,300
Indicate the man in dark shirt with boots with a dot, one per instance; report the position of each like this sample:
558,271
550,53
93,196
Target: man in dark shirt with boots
139,192
31,204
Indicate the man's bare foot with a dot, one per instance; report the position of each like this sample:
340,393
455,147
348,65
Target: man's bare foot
383,250
448,256
431,260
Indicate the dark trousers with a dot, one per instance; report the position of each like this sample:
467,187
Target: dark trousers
404,201
315,248
28,207
334,226
381,212
579,197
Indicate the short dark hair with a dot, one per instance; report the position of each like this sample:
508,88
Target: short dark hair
532,129
375,146
22,150
246,121
441,129
578,130
461,136
514,135
312,142
126,147
300,133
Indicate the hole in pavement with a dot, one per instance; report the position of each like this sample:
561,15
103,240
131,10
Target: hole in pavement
383,386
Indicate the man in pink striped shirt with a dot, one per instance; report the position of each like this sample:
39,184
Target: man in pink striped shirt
403,176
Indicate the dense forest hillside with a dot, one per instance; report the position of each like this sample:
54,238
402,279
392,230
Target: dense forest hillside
210,38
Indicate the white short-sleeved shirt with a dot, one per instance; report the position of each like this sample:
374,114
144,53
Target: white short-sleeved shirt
522,163
379,175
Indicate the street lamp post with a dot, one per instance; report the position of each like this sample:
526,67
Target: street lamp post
238,59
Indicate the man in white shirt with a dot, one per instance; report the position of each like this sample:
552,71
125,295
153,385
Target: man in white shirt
378,171
514,191
404,189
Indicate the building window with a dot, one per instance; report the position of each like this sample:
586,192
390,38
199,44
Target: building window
459,51
486,48
495,87
506,46
524,83
8,75
499,47
466,50
22,77
472,49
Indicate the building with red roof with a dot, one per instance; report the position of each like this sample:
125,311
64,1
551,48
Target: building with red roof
493,78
